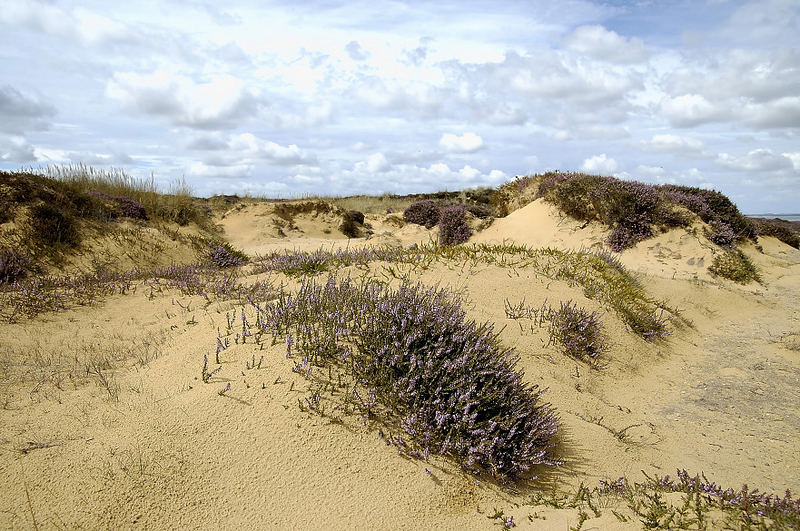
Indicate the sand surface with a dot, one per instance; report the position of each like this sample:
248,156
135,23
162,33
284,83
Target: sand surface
144,443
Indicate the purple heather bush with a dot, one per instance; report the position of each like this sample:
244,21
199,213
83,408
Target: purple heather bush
578,333
721,233
424,212
124,206
416,358
222,255
453,226
13,265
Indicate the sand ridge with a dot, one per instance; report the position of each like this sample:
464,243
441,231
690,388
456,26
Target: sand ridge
153,446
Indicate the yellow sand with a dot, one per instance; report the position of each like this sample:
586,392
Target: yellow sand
149,445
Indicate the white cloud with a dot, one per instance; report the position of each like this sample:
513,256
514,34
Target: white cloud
600,164
671,143
795,158
375,163
356,52
16,149
466,143
249,146
761,159
607,45
220,102
689,110
22,112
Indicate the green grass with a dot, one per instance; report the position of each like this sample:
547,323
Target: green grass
172,205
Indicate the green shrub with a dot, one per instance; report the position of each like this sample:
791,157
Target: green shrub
734,265
52,225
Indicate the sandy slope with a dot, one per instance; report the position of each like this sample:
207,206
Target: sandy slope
158,448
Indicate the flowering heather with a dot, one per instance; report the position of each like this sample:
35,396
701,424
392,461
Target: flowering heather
744,508
578,333
13,264
602,277
448,380
786,231
453,227
721,233
124,206
297,263
222,255
424,212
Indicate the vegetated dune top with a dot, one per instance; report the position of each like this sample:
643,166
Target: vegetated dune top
107,422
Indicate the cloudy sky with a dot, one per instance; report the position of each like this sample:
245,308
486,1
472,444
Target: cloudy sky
284,98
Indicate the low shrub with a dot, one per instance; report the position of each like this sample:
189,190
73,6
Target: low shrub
785,231
721,233
124,206
13,265
222,255
711,205
51,225
734,265
578,333
425,212
351,224
453,226
416,358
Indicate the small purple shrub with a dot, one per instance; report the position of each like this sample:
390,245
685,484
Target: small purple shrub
222,255
722,234
453,226
417,358
13,265
123,206
424,212
578,332
629,232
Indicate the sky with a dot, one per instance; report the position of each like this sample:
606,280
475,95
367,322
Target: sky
296,98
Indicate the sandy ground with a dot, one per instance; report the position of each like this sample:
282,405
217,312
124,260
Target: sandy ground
149,445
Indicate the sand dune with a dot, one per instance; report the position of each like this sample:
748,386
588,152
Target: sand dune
106,421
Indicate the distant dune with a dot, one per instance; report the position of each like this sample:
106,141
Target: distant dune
180,369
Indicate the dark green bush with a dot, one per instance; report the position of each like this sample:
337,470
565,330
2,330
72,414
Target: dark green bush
53,225
734,265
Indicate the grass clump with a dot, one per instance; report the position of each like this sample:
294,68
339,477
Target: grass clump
734,265
453,226
416,358
176,205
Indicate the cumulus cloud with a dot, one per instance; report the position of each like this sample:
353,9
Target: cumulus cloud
375,163
21,112
466,143
219,103
689,110
16,149
600,164
356,52
761,159
250,146
606,45
671,143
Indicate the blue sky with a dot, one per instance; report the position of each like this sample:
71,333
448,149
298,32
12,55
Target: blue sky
292,98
